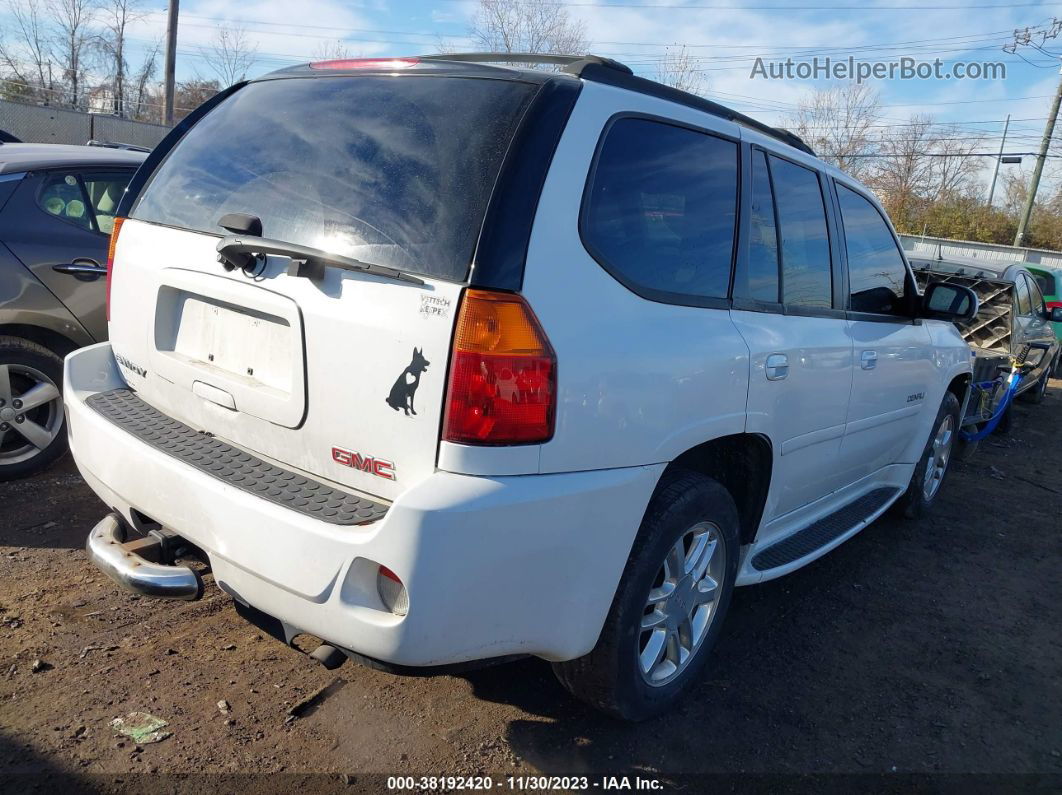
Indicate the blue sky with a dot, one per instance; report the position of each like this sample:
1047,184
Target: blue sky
726,34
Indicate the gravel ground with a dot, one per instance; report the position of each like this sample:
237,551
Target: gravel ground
928,647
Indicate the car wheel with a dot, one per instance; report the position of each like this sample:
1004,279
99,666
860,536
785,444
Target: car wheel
32,425
928,477
1037,393
669,606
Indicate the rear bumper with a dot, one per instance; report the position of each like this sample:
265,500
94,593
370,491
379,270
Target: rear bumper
493,566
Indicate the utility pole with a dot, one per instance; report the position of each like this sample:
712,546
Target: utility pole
995,172
171,59
1030,200
1023,38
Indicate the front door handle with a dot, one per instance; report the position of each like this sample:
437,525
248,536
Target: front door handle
86,270
869,360
777,366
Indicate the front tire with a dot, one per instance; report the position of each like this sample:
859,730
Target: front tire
1037,393
933,466
669,607
32,425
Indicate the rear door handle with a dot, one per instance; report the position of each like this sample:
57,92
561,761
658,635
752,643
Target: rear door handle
869,360
777,366
87,270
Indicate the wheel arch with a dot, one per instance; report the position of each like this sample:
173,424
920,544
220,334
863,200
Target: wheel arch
743,464
56,342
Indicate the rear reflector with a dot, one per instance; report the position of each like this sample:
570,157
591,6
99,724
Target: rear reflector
503,374
110,259
365,63
391,591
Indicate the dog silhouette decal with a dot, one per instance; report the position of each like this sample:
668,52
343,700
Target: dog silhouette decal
405,387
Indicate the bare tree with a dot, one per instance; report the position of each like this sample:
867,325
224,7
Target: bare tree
144,106
74,39
953,171
535,26
904,174
190,94
117,16
230,55
332,51
25,50
838,123
679,69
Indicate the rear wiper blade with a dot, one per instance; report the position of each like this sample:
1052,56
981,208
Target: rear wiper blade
239,251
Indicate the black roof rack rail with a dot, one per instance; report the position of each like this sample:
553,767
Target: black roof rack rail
606,70
573,64
652,88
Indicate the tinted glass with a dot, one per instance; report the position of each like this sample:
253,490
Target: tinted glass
1021,293
393,170
763,234
806,279
104,191
662,208
876,273
1045,282
1036,298
61,196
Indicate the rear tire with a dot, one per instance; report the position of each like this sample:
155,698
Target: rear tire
631,673
29,444
934,463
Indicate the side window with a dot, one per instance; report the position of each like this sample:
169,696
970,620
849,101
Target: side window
104,191
61,196
806,279
1036,298
763,234
1045,282
1021,293
876,272
88,201
662,208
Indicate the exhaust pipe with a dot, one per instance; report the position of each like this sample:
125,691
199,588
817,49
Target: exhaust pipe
124,562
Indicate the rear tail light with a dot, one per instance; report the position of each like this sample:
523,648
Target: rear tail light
1054,305
110,259
503,374
365,63
392,592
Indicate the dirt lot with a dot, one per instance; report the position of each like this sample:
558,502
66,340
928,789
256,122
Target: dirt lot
916,647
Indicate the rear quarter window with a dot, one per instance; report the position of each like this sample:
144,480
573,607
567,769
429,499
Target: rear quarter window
397,171
660,210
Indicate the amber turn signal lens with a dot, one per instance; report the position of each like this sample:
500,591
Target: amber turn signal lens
503,374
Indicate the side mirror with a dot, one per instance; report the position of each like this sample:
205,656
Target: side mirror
953,302
1055,314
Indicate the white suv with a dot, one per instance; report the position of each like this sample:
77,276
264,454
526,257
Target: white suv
445,362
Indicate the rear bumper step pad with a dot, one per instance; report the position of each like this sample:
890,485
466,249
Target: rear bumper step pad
231,465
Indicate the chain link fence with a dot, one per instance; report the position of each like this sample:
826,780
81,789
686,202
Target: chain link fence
43,124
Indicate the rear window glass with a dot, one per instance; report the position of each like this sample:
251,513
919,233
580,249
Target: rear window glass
393,170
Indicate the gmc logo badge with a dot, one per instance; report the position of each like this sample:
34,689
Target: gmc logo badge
365,463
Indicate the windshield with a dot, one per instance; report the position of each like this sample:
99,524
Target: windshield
396,171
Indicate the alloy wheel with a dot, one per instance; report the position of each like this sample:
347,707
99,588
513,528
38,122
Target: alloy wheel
681,604
938,457
31,412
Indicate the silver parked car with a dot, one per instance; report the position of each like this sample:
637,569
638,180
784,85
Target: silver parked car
57,206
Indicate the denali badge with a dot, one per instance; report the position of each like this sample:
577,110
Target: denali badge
366,463
128,365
